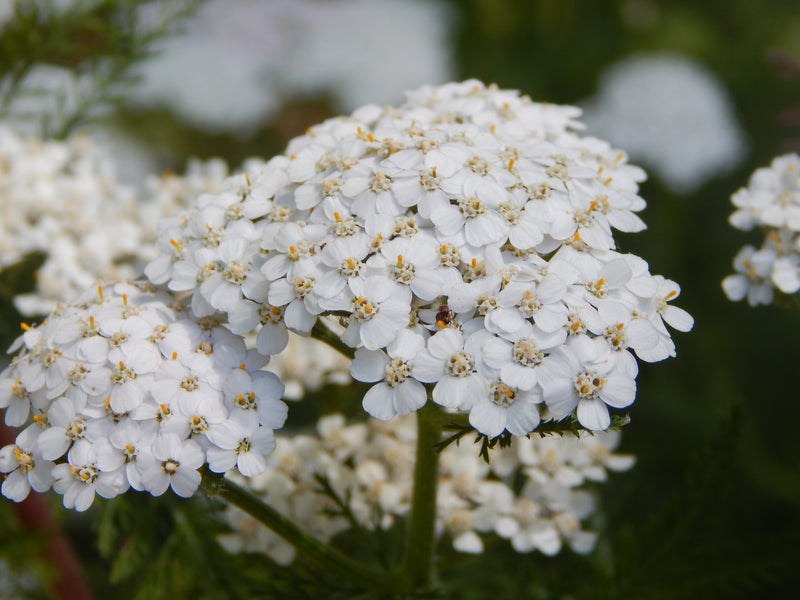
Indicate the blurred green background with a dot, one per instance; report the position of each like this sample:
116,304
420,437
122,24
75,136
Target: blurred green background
712,507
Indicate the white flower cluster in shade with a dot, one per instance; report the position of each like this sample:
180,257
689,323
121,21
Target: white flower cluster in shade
63,199
465,241
770,202
122,389
271,51
672,114
306,365
368,468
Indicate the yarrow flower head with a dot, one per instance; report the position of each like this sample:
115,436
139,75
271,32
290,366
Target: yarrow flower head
463,240
771,202
122,389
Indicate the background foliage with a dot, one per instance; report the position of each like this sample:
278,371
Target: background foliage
712,508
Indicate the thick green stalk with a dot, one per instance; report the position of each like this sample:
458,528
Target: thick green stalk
418,565
309,547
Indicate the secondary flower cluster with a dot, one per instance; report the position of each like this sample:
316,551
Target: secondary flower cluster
368,469
771,202
63,199
464,240
122,390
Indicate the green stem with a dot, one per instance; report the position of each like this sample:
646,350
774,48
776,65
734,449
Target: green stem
418,565
321,332
309,547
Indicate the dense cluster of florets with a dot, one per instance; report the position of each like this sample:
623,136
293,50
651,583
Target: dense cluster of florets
121,389
63,199
770,202
463,240
533,493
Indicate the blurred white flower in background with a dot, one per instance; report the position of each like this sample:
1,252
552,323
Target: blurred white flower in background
670,113
237,61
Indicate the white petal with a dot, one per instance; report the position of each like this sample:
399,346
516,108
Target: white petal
593,414
378,402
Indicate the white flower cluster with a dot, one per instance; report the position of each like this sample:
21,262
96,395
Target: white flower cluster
672,114
122,390
771,202
63,199
464,240
53,196
367,467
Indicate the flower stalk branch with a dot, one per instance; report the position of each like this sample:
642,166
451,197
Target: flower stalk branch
321,332
309,547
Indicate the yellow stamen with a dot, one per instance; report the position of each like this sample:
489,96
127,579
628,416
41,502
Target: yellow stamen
38,419
474,262
443,249
121,365
84,476
291,250
24,326
129,448
620,325
247,178
441,324
176,245
672,294
575,326
370,138
593,205
100,292
368,309
350,263
336,216
599,284
164,408
399,260
576,237
91,322
124,299
607,181
292,157
492,128
275,309
174,355
510,163
585,389
241,366
252,396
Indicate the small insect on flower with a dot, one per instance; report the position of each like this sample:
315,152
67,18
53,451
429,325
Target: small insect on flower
444,316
